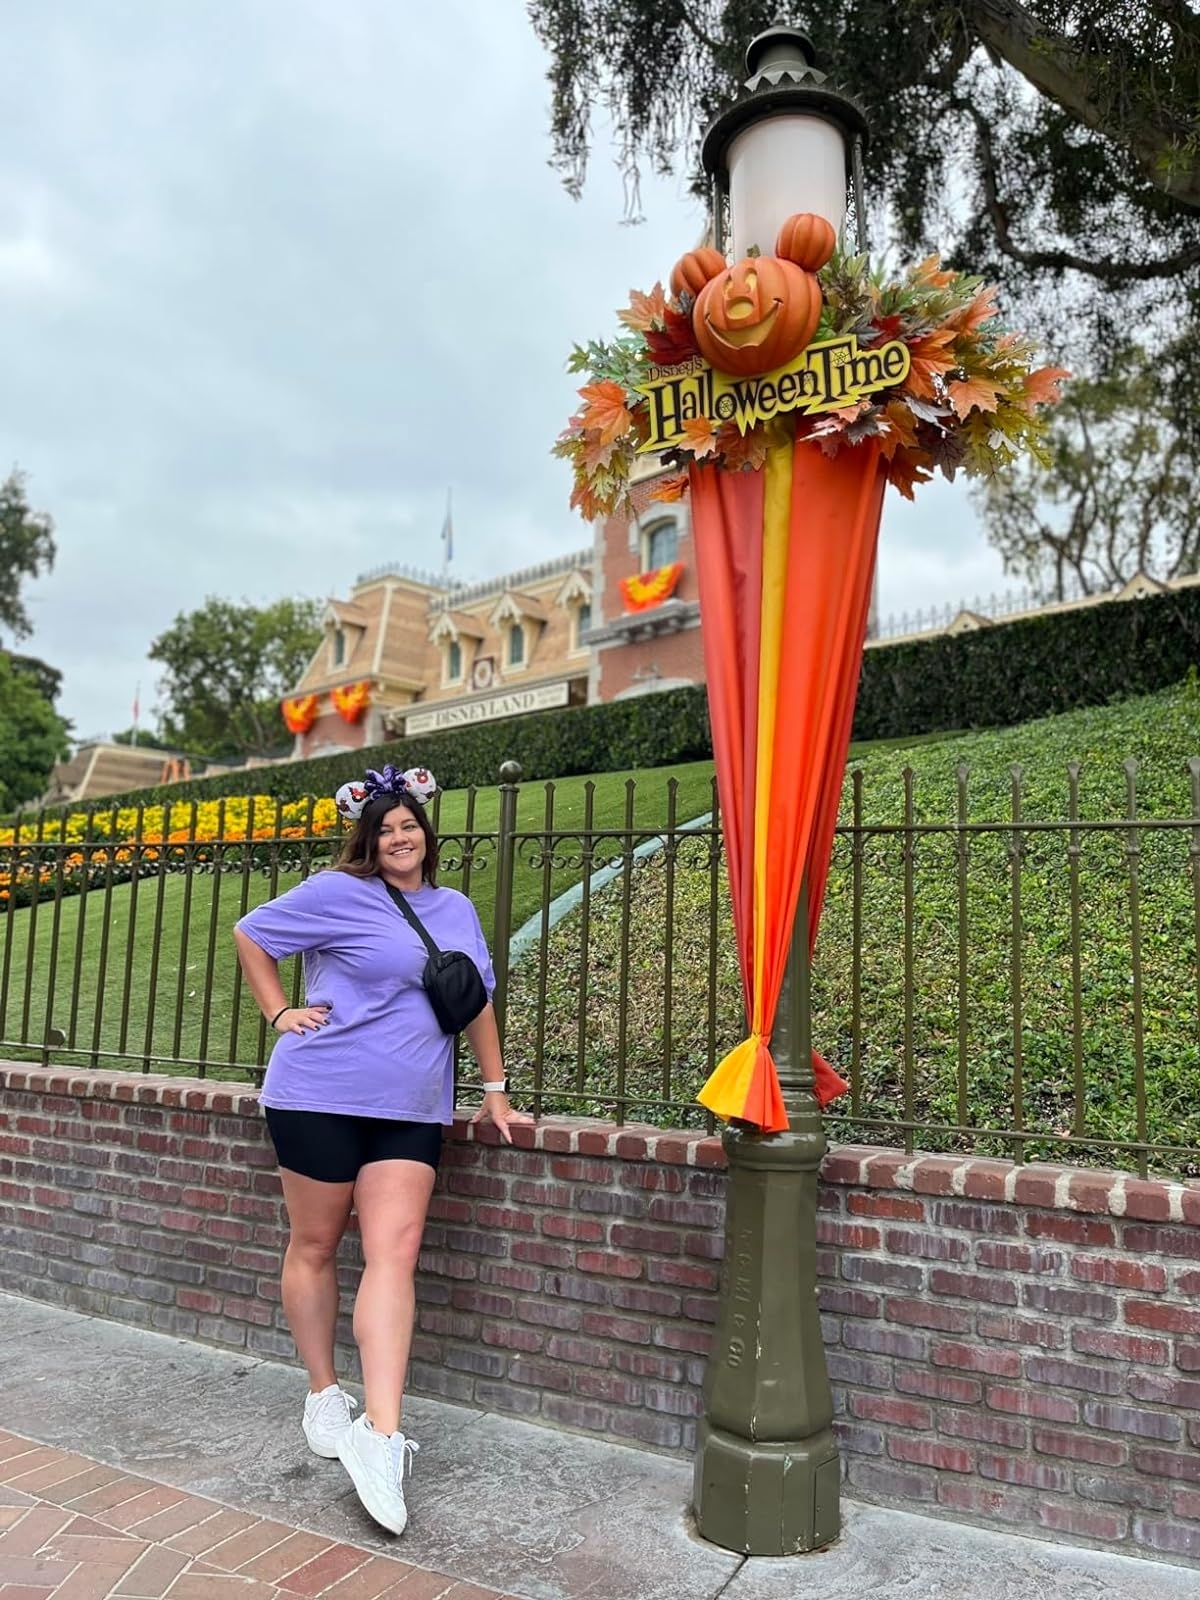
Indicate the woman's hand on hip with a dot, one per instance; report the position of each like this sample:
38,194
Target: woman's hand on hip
495,1108
302,1019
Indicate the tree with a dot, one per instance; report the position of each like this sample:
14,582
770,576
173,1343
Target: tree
142,739
227,667
32,736
26,548
1118,498
1054,145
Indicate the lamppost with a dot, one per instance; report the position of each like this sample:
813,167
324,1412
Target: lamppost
767,1476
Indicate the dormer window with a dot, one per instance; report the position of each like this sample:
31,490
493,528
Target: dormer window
516,645
337,648
454,661
583,621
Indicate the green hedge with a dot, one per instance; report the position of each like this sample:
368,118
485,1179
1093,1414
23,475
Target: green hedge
1006,674
993,678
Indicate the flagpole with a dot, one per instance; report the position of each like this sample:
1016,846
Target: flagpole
447,541
137,711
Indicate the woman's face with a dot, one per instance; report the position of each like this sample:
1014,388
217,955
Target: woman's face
400,851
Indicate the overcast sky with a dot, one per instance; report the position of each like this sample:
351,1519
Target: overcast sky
274,274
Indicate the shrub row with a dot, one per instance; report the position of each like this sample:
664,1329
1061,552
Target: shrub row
992,678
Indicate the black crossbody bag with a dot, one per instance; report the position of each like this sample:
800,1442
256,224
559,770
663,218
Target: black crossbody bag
451,979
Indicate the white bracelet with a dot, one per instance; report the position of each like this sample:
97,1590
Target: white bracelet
496,1088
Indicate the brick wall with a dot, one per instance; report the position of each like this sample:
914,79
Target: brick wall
1018,1346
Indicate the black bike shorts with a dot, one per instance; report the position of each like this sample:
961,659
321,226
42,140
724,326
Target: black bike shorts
333,1148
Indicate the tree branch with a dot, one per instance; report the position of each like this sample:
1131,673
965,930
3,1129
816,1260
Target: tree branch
1107,270
1056,70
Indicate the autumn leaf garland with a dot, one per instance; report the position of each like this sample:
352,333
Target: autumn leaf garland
973,400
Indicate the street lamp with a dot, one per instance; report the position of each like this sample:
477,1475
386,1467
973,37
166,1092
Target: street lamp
767,1476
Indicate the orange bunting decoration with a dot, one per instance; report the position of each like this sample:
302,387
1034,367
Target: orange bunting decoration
784,560
651,588
352,700
301,713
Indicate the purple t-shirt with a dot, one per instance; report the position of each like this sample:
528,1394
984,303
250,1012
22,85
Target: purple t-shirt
381,1054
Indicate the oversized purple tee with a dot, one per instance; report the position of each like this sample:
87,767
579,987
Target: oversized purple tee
381,1054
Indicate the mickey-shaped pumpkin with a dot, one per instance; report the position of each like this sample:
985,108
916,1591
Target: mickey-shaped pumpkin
761,312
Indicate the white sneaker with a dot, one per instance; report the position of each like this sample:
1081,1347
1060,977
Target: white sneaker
327,1415
377,1463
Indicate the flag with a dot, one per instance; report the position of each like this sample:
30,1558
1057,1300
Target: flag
447,535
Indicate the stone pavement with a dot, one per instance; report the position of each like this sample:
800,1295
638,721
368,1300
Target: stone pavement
138,1465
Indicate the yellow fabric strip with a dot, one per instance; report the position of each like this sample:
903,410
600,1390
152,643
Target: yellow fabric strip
725,1092
777,497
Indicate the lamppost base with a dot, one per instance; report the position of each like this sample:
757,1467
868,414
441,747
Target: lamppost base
769,1499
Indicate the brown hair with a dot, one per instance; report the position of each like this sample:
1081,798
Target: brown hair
360,853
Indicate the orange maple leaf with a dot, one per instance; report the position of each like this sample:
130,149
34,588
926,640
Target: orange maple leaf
1041,387
595,454
930,271
907,468
981,309
670,488
605,411
929,355
971,394
645,311
699,436
742,449
901,429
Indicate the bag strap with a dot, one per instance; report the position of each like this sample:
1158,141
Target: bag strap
411,917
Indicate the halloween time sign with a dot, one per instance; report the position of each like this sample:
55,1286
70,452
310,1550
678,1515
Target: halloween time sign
824,377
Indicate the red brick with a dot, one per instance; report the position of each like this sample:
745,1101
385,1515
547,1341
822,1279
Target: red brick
844,1164
1167,1537
1031,1403
1166,1318
935,1174
897,1207
661,1241
1062,1374
1118,1271
971,1358
1129,1419
1149,1241
1186,1503
882,1480
686,1274
504,1218
996,1221
1160,1389
930,1453
1080,1447
1067,1302
1108,1525
986,1180
585,1229
1006,1257
624,1329
996,1505
1120,1346
938,1385
986,1429
927,1314
973,1286
1068,1229
608,1264
886,1408
1024,1473
1037,1186
850,1235
1168,1463
1022,1330
931,1246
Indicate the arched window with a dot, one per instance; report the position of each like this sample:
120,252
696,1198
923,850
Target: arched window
516,645
660,544
453,661
583,621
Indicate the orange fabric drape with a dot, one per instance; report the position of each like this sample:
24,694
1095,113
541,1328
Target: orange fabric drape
785,558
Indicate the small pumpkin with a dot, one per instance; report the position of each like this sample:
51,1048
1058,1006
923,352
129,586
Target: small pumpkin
756,315
692,271
806,239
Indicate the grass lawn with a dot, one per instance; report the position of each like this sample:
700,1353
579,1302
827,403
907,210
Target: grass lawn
967,1044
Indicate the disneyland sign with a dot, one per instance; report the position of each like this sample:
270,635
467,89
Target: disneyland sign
544,697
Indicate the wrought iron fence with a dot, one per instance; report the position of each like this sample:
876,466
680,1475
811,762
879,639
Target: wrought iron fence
1010,983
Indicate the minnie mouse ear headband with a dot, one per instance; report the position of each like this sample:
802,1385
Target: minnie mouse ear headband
415,784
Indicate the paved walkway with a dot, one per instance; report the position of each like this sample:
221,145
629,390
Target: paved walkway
136,1465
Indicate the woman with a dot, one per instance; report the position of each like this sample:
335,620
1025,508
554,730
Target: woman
356,1094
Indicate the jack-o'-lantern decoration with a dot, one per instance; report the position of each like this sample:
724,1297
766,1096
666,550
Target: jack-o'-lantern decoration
806,239
692,271
756,315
